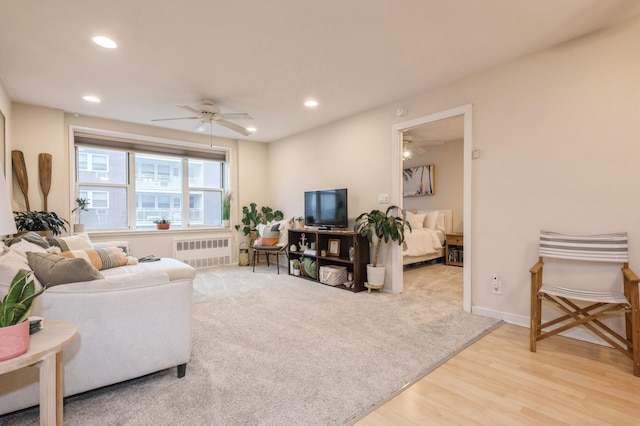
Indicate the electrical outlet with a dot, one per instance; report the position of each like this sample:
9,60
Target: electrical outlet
496,285
383,198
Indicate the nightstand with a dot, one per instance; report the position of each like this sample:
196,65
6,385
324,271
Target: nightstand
454,254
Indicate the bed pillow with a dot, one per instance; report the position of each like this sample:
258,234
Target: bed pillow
416,220
100,258
431,219
51,269
74,242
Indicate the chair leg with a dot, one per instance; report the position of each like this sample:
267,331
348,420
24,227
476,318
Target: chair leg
635,328
255,254
278,262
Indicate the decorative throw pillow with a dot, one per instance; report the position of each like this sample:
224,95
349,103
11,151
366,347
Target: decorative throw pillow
74,242
51,269
266,242
32,237
100,258
10,263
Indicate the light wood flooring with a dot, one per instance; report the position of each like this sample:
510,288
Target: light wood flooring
497,381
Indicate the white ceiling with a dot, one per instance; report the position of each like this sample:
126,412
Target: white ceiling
266,57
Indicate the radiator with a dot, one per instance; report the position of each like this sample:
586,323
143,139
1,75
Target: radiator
203,252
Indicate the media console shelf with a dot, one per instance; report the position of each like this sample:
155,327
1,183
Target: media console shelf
347,239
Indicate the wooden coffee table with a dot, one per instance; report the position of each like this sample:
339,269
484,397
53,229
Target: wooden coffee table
45,351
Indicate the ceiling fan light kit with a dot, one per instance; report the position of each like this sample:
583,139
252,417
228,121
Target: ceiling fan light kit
209,113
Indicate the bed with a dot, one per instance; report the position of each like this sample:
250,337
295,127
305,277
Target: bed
426,240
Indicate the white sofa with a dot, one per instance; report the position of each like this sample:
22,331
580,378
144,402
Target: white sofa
135,321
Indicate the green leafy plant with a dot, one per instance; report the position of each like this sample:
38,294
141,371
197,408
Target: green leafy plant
226,206
382,225
17,304
82,205
296,264
40,221
252,217
162,221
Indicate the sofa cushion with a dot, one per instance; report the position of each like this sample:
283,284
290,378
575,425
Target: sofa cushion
175,269
73,242
51,269
101,258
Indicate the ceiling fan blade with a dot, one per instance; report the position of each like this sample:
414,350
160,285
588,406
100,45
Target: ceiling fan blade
234,127
235,116
175,118
201,127
190,109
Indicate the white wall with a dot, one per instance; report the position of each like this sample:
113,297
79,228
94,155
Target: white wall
448,178
5,109
558,137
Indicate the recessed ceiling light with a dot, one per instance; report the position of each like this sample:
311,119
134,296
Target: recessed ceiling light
251,129
90,98
311,103
105,42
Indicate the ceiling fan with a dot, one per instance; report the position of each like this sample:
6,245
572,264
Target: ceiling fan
411,146
209,113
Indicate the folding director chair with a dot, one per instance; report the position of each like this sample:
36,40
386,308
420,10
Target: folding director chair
612,248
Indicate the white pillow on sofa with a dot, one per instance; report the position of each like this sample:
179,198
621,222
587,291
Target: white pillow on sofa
10,263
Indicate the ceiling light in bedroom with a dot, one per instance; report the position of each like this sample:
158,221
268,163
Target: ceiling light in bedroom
406,154
91,98
105,42
251,129
311,103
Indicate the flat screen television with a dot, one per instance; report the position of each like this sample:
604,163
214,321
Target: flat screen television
326,209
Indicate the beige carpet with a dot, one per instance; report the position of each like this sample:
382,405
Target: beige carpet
277,350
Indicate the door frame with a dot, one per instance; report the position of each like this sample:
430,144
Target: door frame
396,192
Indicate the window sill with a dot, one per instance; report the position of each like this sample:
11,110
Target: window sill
157,232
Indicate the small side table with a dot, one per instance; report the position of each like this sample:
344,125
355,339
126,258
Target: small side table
454,255
45,351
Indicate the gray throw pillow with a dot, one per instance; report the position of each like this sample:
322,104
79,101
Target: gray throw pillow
51,269
30,236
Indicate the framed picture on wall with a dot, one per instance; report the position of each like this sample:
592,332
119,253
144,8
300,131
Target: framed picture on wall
418,181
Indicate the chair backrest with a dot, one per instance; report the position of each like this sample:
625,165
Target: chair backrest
595,248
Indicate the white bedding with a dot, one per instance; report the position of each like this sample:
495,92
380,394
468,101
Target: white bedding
423,241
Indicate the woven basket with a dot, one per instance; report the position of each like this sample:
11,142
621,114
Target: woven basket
333,275
243,259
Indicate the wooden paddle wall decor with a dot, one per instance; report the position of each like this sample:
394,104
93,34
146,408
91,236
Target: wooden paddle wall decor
20,170
44,172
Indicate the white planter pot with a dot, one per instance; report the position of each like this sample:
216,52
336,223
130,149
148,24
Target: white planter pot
375,275
78,228
225,223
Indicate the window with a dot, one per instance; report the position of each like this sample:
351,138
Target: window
130,189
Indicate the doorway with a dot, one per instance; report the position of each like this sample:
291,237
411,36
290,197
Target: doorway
465,112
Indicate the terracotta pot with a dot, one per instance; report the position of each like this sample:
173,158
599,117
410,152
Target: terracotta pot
14,340
163,225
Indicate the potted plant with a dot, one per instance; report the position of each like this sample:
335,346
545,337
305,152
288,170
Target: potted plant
15,308
162,223
226,209
380,227
44,223
299,222
252,217
296,267
82,205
